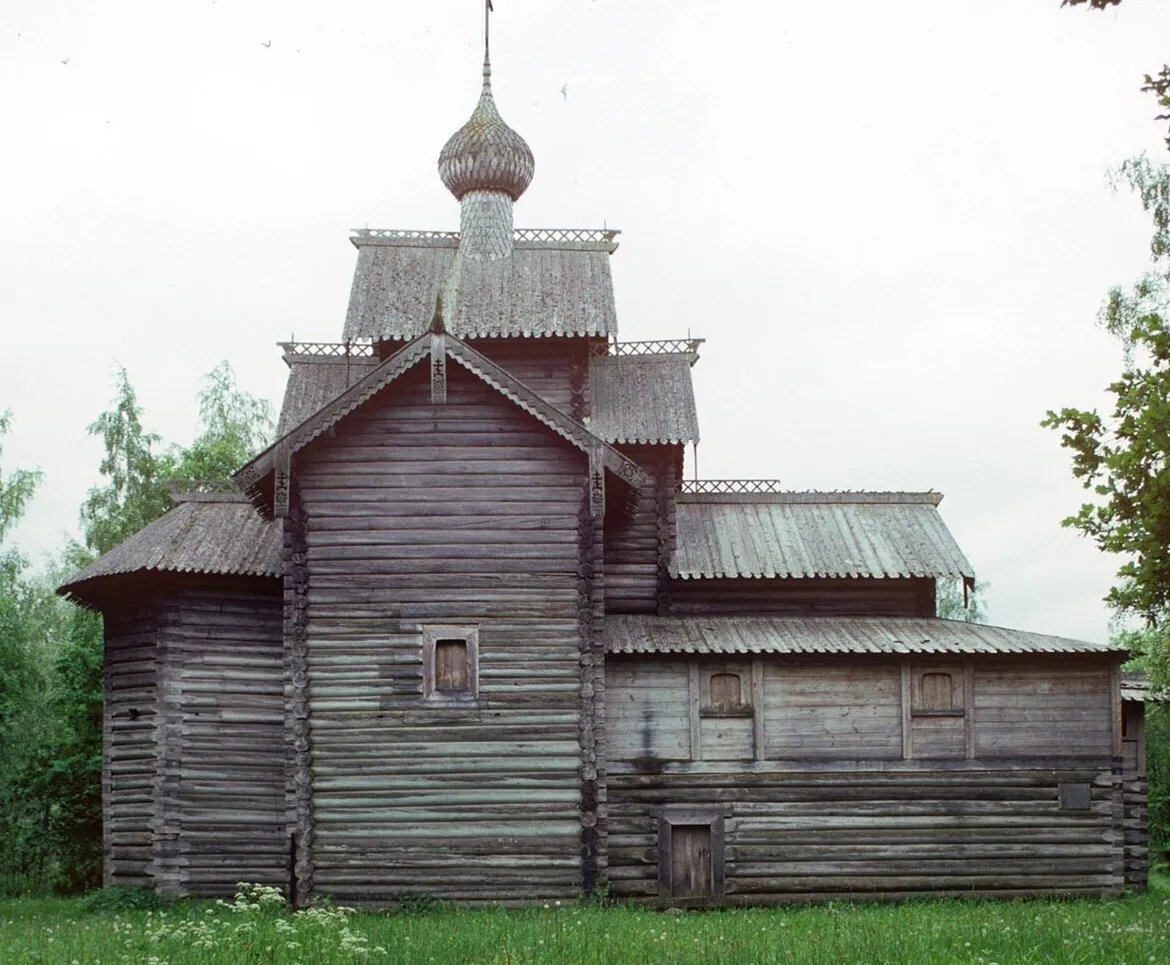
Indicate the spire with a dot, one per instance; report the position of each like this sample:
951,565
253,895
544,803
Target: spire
485,154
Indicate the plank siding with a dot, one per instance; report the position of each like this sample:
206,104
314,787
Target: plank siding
818,709
462,514
833,809
863,596
1038,708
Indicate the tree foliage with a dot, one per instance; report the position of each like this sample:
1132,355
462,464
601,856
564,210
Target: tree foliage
51,688
1156,84
952,601
134,494
1122,457
235,426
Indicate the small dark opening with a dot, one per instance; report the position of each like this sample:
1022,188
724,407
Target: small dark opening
132,713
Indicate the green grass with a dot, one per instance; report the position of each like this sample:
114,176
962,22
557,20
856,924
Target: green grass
63,932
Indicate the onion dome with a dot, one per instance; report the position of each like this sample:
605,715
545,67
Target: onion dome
485,154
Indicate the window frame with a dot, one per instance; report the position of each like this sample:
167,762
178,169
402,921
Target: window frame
958,692
743,671
431,636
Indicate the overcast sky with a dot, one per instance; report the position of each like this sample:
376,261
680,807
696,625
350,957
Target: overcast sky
890,221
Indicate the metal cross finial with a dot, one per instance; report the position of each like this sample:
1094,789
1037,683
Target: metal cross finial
487,31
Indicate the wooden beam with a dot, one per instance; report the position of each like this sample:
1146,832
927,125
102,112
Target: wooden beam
907,744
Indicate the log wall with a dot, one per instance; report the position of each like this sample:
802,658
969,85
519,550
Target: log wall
809,597
555,368
130,745
454,517
223,762
825,794
193,775
638,547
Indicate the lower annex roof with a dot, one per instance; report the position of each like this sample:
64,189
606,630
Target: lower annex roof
214,534
747,528
635,634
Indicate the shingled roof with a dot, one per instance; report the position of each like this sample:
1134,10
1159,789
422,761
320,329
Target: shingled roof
314,381
644,399
556,282
829,635
813,534
211,534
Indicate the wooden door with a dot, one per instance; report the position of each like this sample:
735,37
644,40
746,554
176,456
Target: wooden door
690,861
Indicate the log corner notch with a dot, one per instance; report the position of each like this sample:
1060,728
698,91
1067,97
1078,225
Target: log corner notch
267,479
296,685
590,620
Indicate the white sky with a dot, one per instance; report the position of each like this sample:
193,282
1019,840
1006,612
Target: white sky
890,221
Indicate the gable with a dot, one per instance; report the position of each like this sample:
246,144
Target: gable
266,478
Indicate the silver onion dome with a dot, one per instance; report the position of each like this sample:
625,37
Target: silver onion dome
485,154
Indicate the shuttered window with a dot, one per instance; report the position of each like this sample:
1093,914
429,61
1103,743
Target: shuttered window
726,692
937,692
450,664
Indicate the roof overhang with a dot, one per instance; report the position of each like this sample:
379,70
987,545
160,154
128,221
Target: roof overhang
833,635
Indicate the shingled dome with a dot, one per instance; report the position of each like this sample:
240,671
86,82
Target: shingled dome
485,154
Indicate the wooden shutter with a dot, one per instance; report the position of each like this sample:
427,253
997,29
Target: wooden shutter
937,692
726,692
451,666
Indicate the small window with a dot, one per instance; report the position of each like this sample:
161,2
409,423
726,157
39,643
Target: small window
937,692
450,663
726,692
723,691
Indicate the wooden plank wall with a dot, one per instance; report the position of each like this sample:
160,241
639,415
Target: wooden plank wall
831,808
466,514
1023,704
130,745
224,762
858,597
638,549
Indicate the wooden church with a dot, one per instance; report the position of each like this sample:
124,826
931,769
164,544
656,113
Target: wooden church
466,631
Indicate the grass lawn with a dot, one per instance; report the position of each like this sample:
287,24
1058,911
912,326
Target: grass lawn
255,930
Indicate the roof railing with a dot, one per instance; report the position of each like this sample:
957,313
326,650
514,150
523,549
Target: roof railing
587,235
667,346
392,234
362,348
450,239
729,487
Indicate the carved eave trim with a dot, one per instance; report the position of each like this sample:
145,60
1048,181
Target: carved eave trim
430,346
252,476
